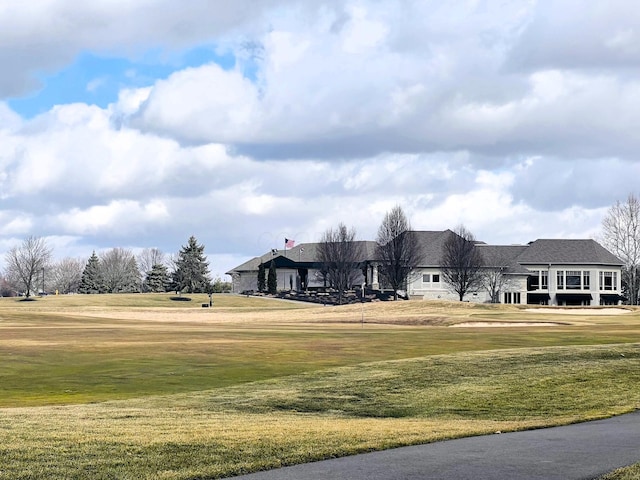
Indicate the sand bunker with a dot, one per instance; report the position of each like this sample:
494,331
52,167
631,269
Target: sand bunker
580,311
507,324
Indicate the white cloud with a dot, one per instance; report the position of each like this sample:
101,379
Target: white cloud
518,119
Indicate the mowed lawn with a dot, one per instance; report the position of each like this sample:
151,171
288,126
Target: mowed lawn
146,386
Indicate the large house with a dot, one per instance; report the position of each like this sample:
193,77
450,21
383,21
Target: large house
547,272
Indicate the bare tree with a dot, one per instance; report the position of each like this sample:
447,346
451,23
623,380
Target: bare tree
621,235
65,275
341,256
462,262
148,258
397,249
25,263
120,271
495,277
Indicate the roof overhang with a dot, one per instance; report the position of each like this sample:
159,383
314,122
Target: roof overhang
574,296
538,296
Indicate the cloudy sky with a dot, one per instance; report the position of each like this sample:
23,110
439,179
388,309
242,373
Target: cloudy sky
138,124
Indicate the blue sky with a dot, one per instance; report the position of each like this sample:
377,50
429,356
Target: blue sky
138,124
97,79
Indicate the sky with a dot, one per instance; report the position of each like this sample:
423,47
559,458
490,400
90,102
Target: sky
138,124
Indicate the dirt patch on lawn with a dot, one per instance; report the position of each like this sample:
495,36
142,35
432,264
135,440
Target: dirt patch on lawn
580,311
508,324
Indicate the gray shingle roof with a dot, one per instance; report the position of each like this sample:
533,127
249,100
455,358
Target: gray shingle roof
503,256
567,251
431,243
303,253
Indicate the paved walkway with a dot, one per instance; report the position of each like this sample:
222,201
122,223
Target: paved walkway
580,451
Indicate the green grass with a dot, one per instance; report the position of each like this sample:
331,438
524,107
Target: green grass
328,413
134,386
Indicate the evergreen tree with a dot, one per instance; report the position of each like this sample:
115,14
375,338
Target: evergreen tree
192,270
272,279
261,278
158,279
92,281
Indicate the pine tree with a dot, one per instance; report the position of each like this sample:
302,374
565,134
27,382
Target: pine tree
261,278
92,281
272,279
192,270
158,279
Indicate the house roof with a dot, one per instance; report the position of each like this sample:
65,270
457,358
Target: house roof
304,253
431,244
558,251
495,256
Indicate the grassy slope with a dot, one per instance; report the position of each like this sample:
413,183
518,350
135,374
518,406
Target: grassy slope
326,385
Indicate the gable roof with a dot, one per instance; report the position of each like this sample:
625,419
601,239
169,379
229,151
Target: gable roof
302,255
585,251
495,256
430,246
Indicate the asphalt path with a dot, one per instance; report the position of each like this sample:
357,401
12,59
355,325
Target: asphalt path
579,451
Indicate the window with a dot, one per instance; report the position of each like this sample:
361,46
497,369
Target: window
511,297
534,280
560,278
608,280
435,278
544,280
426,278
572,279
586,280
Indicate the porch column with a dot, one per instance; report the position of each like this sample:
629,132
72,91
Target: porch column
374,277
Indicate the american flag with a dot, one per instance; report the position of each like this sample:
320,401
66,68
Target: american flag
288,243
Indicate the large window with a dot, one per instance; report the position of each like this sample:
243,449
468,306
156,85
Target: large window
426,278
512,297
608,280
533,280
572,279
544,280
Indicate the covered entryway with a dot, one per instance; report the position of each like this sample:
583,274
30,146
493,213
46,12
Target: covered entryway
610,299
574,299
538,298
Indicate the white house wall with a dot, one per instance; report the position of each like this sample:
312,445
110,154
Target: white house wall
594,287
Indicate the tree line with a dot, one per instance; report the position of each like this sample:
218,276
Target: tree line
30,269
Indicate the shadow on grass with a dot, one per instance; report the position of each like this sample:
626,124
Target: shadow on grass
180,299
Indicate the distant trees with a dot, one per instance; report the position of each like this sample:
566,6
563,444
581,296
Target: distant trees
26,262
220,286
148,258
92,281
341,257
397,249
462,262
119,270
621,235
191,273
157,279
262,281
272,279
66,275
